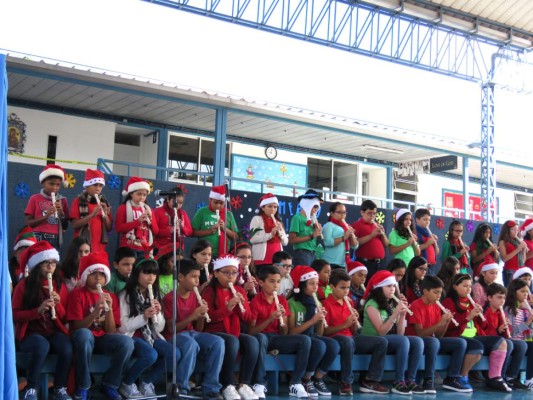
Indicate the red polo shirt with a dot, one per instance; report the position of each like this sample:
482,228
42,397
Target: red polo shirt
337,314
424,314
374,247
261,310
494,320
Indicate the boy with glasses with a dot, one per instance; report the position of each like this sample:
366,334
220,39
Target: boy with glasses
283,262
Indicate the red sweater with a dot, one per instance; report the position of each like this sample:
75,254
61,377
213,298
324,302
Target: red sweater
165,225
460,317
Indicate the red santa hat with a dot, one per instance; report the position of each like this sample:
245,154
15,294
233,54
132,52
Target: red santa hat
92,177
36,254
302,273
226,260
268,198
25,238
218,193
135,183
522,271
488,265
400,212
355,266
52,170
94,262
379,279
526,227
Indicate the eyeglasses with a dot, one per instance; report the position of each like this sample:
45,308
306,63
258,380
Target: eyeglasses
371,213
245,257
288,266
229,273
49,263
423,269
341,212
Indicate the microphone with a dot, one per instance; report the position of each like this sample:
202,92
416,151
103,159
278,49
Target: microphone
165,193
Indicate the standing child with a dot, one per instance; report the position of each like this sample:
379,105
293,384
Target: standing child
93,317
357,273
403,243
429,246
455,246
526,231
483,248
283,261
268,234
307,319
49,220
90,212
416,272
343,323
323,269
227,311
339,238
304,231
449,268
512,250
266,320
134,218
191,315
122,267
39,316
488,273
78,248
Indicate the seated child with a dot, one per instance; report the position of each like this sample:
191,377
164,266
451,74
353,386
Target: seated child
357,273
283,261
122,267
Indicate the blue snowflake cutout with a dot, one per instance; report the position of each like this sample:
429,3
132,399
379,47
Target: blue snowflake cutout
22,190
496,229
200,205
114,182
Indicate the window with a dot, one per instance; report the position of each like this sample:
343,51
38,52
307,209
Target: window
51,151
523,204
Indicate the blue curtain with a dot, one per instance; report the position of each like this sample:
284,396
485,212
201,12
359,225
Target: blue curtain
8,373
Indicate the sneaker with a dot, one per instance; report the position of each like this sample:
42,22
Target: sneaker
230,393
321,387
310,388
130,391
400,388
61,394
453,383
81,394
465,382
415,388
298,390
529,383
110,392
345,389
368,386
517,384
247,393
429,386
498,384
213,395
148,390
31,394
260,390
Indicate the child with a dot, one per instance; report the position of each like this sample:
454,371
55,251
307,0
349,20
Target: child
428,323
266,318
91,217
142,320
497,326
268,235
243,251
283,261
482,248
525,274
78,248
511,249
165,260
189,325
134,219
521,320
385,318
48,220
416,272
93,319
122,267
24,239
39,316
449,268
470,327
226,317
164,219
219,232
305,318
357,273
342,326
526,231
323,269
202,252
339,238
429,247
455,246
488,273
403,242
398,269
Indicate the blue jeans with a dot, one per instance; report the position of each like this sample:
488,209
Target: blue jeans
408,351
118,347
303,257
289,344
516,351
39,346
529,355
431,350
210,358
186,351
250,356
347,345
147,356
324,350
456,348
377,346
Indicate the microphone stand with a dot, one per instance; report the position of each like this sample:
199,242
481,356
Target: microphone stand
227,204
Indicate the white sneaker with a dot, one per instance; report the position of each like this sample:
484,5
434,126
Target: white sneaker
247,393
230,393
260,390
130,391
148,390
298,390
529,383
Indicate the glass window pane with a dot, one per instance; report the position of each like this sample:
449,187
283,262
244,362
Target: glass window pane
344,177
183,155
319,173
207,153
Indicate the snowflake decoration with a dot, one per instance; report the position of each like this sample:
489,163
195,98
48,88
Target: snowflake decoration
159,202
439,223
151,184
200,205
380,217
496,229
183,188
22,190
71,181
446,235
470,226
114,182
236,202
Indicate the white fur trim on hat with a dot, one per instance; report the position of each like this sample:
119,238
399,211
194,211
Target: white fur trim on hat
36,259
401,212
526,228
522,271
217,196
226,261
136,186
94,181
391,280
48,172
490,266
23,243
270,200
359,268
309,275
95,268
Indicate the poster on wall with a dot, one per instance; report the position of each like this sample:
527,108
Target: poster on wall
453,199
246,171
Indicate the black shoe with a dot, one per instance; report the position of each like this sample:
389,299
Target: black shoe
516,384
415,388
321,387
455,384
429,386
213,395
498,384
400,388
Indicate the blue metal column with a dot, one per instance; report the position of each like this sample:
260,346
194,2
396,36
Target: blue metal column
390,191
466,197
162,153
488,161
219,161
